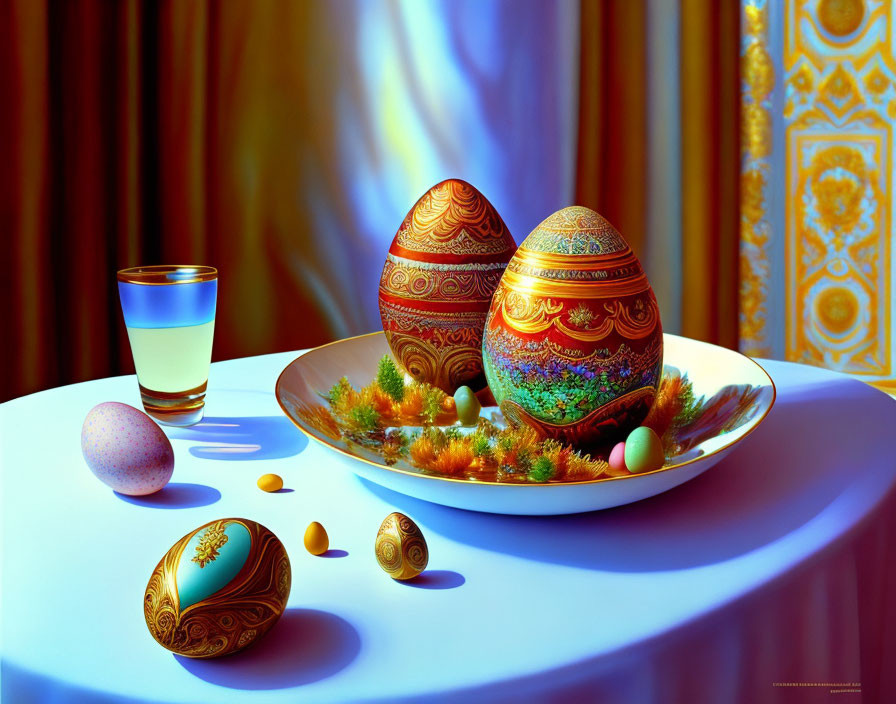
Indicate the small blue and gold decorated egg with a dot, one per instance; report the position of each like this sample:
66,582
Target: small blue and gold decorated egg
218,589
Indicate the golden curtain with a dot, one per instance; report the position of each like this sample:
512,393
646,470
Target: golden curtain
144,133
614,162
250,136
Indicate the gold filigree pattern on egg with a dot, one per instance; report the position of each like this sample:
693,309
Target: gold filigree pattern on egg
438,279
250,599
400,547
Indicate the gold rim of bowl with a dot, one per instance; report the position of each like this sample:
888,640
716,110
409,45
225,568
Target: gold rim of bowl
420,474
157,274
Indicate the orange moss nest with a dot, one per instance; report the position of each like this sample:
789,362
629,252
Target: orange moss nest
320,419
454,458
435,451
378,415
670,399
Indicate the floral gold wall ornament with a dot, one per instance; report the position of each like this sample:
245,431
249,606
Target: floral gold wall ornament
838,140
840,17
834,164
758,81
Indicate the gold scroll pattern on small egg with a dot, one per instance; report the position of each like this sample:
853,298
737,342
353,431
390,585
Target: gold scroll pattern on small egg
400,547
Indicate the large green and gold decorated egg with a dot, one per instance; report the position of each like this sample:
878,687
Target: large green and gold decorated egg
218,589
573,345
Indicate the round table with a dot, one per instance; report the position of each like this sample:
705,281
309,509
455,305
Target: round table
771,577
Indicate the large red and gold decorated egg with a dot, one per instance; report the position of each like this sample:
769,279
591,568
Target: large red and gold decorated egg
573,344
438,280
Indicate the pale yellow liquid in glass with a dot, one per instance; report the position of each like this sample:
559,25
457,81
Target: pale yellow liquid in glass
172,359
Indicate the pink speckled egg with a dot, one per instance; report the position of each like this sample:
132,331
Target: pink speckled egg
617,457
126,450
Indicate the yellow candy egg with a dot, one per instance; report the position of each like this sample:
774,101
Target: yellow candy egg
270,482
317,542
400,547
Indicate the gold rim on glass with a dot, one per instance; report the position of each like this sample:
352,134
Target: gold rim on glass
398,470
161,274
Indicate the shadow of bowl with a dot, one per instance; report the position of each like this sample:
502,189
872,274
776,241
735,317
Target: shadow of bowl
776,481
305,645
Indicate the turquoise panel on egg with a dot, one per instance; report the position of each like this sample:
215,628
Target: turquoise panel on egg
195,583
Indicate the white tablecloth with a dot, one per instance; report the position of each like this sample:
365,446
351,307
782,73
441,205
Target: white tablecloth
776,567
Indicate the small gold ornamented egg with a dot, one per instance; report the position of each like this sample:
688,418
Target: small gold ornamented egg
400,547
317,542
218,589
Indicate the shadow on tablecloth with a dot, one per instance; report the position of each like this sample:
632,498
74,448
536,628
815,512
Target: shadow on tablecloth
20,685
249,438
810,451
435,579
305,645
176,495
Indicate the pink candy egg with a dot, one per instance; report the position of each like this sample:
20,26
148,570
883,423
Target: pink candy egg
617,457
126,450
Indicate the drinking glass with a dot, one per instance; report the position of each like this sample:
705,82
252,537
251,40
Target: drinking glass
169,312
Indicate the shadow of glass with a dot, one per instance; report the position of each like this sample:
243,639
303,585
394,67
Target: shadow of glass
240,439
305,645
791,468
175,495
436,579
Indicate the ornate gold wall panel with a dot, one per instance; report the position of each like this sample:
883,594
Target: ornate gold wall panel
827,141
758,76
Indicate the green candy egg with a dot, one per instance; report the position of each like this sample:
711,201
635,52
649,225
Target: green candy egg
643,451
468,405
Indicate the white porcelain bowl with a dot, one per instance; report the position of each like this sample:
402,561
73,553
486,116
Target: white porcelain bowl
714,372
